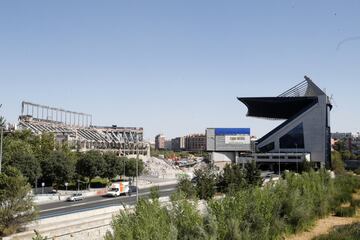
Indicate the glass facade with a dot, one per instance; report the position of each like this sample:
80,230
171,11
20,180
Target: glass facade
267,147
294,138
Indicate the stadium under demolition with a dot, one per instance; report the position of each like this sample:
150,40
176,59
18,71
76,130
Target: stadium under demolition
76,129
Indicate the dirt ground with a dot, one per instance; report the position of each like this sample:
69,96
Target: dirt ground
324,226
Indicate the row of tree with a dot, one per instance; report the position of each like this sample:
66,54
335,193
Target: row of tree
41,159
234,177
342,146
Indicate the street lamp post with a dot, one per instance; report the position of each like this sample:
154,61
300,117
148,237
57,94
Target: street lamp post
42,187
124,164
297,162
279,161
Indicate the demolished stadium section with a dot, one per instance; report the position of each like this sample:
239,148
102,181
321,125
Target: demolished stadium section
77,129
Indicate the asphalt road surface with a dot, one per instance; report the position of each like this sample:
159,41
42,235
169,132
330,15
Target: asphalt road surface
96,202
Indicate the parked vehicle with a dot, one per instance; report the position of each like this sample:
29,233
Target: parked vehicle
270,178
75,197
118,189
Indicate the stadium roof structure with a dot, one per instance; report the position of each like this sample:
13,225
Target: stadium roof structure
286,105
306,111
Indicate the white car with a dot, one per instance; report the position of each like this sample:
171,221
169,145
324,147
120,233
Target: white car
270,178
75,197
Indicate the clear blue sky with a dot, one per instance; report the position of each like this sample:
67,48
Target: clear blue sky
176,67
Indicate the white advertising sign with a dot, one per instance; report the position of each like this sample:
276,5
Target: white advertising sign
237,139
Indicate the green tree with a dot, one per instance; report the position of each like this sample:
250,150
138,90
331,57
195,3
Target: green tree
45,145
252,174
19,154
130,168
232,179
340,145
17,207
90,164
114,165
58,168
346,155
337,163
205,183
26,138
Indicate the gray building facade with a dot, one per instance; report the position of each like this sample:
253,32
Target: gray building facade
305,110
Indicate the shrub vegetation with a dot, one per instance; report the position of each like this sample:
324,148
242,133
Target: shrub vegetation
247,211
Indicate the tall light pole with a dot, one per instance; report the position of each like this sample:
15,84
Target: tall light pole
279,160
297,162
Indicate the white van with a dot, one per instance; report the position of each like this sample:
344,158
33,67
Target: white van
118,188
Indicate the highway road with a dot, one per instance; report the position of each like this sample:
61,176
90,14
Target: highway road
96,202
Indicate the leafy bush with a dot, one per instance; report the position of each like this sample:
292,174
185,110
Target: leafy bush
349,211
187,220
250,212
355,202
186,187
99,183
205,183
345,186
149,221
38,236
232,179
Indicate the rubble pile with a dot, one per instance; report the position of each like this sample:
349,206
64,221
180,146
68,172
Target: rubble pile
161,168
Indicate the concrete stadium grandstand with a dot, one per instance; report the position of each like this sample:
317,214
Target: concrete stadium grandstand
76,128
305,132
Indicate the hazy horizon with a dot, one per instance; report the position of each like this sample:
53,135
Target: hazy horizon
177,67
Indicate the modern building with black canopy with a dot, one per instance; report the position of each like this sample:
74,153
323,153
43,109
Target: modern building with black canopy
305,109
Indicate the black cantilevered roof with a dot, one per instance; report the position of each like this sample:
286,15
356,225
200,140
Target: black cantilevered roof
276,107
286,105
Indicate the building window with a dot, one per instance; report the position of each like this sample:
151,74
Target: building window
267,148
294,138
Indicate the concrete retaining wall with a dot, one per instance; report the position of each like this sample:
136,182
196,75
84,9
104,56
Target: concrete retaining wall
89,225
